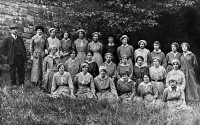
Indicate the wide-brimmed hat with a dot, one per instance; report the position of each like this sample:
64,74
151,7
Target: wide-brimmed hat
14,26
176,61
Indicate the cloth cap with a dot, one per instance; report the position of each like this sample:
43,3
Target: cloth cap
103,68
13,26
108,54
156,57
142,41
81,30
51,29
84,65
98,33
173,78
124,36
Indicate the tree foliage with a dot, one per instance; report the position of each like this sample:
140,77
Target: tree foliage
109,16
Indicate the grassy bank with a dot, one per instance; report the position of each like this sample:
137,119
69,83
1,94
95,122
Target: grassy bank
29,106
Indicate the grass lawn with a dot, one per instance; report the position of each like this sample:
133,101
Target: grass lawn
29,106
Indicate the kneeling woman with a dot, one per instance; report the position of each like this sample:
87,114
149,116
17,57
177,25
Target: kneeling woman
84,83
105,87
126,88
149,93
62,83
174,96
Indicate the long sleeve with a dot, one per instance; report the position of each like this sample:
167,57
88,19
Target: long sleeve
132,55
92,87
118,53
155,91
167,80
163,60
149,59
70,83
165,94
112,87
66,66
4,47
96,69
44,66
166,61
32,46
54,85
195,63
183,82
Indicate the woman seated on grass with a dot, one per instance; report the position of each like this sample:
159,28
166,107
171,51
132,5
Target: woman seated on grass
174,96
149,93
84,83
126,88
62,83
105,87
123,67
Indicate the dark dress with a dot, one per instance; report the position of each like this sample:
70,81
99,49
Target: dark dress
113,51
138,73
93,68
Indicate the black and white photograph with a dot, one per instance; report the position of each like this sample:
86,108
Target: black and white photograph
99,62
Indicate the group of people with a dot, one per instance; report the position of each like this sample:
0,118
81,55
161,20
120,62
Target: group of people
83,69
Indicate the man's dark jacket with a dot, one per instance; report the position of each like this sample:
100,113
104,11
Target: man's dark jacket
7,48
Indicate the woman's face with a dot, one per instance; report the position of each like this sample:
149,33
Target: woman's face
175,66
89,57
174,49
110,39
73,55
146,78
95,37
140,62
61,69
102,72
142,45
81,34
66,35
53,33
39,31
85,69
125,77
173,83
184,48
156,46
124,41
53,50
124,60
108,58
156,62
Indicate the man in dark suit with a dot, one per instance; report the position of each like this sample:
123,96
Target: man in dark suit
13,47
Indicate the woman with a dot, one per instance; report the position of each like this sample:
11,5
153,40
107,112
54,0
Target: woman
126,49
50,64
72,65
142,51
124,67
188,64
110,66
158,75
37,50
97,48
174,96
105,88
177,73
111,48
53,41
126,88
139,70
81,45
157,53
66,46
149,93
93,68
84,83
62,83
172,55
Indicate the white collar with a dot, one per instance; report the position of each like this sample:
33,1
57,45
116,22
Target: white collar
170,88
64,74
136,64
125,45
188,52
122,64
89,61
84,75
108,63
111,44
72,60
144,84
129,80
55,56
159,51
14,36
106,77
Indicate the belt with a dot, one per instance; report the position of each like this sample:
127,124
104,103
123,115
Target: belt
157,80
103,90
